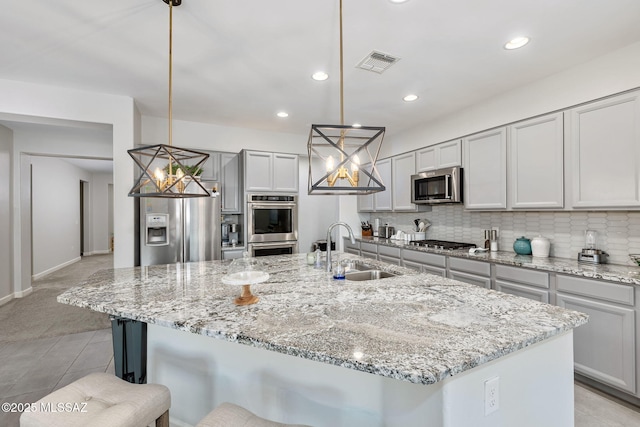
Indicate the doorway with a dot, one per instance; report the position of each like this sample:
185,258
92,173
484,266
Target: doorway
85,232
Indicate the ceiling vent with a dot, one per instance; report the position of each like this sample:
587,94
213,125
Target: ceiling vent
377,62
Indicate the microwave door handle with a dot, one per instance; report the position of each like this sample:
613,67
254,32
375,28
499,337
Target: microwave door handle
447,179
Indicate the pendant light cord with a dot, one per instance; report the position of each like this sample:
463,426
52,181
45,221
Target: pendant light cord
171,73
341,72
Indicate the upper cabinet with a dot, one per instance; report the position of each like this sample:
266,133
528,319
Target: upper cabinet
402,167
445,155
604,144
211,168
380,201
231,184
485,170
264,171
536,163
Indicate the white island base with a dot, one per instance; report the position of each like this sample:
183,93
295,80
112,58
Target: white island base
535,386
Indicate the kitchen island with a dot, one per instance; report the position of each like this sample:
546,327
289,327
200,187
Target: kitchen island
414,349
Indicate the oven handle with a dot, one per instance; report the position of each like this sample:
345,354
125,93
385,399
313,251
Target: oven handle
269,244
254,205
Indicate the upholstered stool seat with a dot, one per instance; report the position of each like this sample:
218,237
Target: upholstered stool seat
230,415
101,399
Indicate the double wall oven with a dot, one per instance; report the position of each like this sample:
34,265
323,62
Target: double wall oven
272,224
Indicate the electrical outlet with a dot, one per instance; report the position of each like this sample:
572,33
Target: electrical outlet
491,395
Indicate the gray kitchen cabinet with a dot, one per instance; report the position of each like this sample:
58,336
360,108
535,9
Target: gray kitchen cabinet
233,253
369,250
536,163
350,248
425,262
604,137
402,167
485,170
604,348
211,168
389,254
522,282
272,172
444,155
380,201
231,191
470,271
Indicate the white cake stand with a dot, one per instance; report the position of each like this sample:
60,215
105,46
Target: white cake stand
245,279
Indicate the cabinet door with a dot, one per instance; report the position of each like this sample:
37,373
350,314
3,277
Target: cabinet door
426,159
483,282
522,291
258,174
389,259
365,201
285,172
605,153
485,174
402,168
230,177
382,199
449,154
604,348
536,163
211,168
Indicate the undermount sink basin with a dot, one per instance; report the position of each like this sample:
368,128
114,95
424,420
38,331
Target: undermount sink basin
356,265
368,275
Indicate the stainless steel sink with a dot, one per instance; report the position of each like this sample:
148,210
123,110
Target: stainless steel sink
368,275
356,265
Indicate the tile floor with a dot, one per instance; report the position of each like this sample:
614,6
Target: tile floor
32,369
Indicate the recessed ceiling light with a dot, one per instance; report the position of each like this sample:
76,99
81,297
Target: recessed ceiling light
516,43
398,1
282,114
320,76
410,97
356,125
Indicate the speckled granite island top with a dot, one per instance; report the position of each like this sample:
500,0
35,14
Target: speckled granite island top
624,274
413,327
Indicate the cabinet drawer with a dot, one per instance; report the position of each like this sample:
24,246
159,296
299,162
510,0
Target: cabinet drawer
475,267
389,251
425,258
483,282
522,291
622,294
390,260
369,247
523,275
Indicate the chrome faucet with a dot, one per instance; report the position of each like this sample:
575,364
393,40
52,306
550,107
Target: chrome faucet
331,227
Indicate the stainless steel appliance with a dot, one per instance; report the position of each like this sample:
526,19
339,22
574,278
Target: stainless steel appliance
272,224
441,244
590,253
386,231
179,230
437,186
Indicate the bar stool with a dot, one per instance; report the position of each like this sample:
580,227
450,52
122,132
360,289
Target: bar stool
104,400
230,415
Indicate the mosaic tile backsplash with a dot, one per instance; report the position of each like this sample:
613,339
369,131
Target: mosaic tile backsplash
618,231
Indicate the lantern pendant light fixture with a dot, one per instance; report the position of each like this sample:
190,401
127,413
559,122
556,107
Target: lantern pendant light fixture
164,170
343,157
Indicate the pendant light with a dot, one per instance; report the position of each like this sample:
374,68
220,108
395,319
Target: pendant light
164,170
343,157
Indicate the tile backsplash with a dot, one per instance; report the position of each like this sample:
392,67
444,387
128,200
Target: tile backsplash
618,231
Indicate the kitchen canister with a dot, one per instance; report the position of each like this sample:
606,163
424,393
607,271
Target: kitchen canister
522,246
540,247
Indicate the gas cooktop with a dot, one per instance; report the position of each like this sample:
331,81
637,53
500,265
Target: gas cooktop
441,244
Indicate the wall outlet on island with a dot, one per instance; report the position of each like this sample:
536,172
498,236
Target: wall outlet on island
491,395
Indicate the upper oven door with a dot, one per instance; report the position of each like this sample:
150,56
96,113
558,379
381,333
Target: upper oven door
272,221
439,186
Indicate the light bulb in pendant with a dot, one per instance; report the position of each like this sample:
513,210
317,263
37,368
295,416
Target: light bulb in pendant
355,165
330,164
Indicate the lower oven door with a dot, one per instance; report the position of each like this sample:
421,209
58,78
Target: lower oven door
273,248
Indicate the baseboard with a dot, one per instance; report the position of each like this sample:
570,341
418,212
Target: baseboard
56,268
6,299
22,294
98,252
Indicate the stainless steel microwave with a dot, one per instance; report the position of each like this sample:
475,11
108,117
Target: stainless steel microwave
437,186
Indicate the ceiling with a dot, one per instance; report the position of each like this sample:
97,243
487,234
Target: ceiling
239,62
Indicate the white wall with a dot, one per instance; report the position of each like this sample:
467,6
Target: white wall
100,213
6,144
32,101
56,213
609,74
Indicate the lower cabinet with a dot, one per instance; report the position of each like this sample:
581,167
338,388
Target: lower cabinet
522,282
233,253
351,248
605,348
469,271
369,250
389,254
425,262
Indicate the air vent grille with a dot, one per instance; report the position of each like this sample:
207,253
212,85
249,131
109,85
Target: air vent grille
377,62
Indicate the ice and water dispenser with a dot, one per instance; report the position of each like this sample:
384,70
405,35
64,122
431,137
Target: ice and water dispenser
157,229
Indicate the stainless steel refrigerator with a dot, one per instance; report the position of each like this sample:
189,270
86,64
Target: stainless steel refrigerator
179,230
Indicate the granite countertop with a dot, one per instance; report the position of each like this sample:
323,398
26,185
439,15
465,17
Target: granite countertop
414,327
625,274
